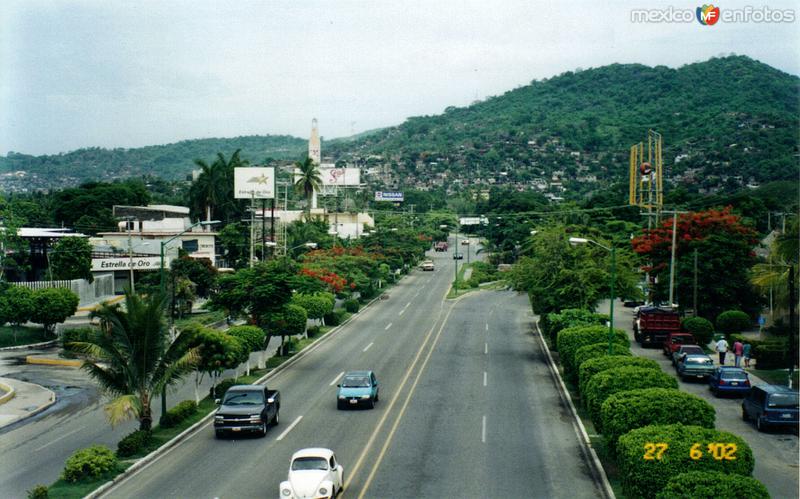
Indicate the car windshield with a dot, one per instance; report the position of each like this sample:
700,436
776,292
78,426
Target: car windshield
698,360
243,398
785,400
356,382
309,463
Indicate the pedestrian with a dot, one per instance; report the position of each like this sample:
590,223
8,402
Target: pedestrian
722,349
738,350
746,353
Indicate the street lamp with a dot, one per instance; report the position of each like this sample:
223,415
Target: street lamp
307,245
164,244
583,240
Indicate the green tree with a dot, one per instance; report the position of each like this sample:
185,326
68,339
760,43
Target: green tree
52,306
234,241
252,337
16,307
132,359
307,180
316,305
71,258
217,351
259,291
211,195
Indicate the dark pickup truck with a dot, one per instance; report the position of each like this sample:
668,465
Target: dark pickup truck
247,408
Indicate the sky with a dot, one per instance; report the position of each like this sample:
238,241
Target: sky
110,74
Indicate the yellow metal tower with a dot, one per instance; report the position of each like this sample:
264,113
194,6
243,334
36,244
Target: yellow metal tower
646,174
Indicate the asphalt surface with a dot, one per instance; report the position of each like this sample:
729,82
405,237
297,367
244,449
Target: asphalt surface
442,427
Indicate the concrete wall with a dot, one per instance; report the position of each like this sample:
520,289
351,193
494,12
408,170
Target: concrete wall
88,292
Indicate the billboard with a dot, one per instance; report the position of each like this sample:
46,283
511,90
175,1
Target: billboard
257,182
339,176
389,196
473,221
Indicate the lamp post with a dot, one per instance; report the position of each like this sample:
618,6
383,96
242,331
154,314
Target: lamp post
164,244
612,250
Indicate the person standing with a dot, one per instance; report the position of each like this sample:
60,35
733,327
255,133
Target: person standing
746,353
738,350
722,349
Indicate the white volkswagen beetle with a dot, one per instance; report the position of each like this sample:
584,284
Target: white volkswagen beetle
313,474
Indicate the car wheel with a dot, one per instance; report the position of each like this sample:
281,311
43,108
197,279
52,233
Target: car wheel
339,405
263,430
219,434
376,396
744,415
371,403
277,418
760,426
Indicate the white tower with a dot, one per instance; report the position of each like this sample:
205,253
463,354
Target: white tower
315,153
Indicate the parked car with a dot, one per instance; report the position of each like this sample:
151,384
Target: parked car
427,265
698,366
247,408
675,340
771,405
685,350
357,387
728,379
313,473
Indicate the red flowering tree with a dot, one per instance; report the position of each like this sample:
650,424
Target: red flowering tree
724,246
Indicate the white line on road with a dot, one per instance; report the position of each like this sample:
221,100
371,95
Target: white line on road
57,439
336,379
287,430
485,349
387,326
487,327
485,378
367,347
404,308
483,430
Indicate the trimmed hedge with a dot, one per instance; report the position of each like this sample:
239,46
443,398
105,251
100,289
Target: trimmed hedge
599,364
572,338
628,410
554,322
252,337
645,478
335,318
133,443
596,350
700,328
713,485
89,463
620,379
75,335
352,306
733,321
177,414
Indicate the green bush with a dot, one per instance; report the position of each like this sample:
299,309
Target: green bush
554,322
596,365
595,350
38,492
572,338
352,306
89,463
179,413
733,321
620,379
771,355
335,318
645,478
133,443
313,331
73,335
628,410
367,294
218,391
700,328
712,485
252,337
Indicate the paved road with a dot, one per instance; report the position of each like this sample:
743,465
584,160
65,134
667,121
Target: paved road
438,430
776,452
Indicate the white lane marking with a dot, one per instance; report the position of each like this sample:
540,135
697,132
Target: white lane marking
416,294
367,347
57,439
487,327
387,326
336,379
485,378
287,430
404,308
483,430
485,349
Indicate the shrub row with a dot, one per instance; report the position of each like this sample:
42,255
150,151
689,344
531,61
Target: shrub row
89,463
351,306
712,485
133,443
599,364
572,338
178,414
700,328
553,323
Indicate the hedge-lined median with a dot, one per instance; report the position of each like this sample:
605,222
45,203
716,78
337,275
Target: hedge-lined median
599,364
572,338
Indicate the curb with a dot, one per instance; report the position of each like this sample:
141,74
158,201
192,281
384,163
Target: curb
95,306
10,392
44,344
153,456
35,411
46,361
586,444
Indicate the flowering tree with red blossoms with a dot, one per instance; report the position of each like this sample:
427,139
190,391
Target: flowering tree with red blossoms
724,246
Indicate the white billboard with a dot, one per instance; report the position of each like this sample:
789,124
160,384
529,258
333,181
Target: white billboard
125,263
340,176
389,196
255,182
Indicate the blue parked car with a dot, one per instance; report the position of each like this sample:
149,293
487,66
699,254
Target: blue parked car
356,388
771,405
727,379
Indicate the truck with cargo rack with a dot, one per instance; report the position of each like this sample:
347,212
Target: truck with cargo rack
652,325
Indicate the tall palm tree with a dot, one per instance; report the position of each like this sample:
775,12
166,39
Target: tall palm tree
132,359
212,192
307,180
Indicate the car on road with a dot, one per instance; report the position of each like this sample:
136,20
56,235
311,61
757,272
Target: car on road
427,266
356,388
465,242
440,246
685,350
674,342
770,406
458,256
314,473
699,366
729,379
247,408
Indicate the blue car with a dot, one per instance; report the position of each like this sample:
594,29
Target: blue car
728,379
357,388
771,405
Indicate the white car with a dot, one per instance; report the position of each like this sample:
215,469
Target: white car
313,474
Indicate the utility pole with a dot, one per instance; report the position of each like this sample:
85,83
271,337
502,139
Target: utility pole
675,214
792,323
252,226
455,252
128,221
694,293
263,229
272,226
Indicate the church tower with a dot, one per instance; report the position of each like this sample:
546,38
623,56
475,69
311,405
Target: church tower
314,150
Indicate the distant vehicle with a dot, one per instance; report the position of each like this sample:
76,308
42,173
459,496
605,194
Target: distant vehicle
427,265
675,340
633,303
685,350
465,242
727,379
440,246
313,473
357,387
247,408
652,325
458,256
695,366
771,405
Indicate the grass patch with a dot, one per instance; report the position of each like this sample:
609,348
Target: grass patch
203,318
24,336
776,376
68,490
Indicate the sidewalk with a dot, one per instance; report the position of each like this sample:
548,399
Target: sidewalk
28,399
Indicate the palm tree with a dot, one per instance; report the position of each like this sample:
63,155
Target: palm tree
307,180
132,359
212,192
